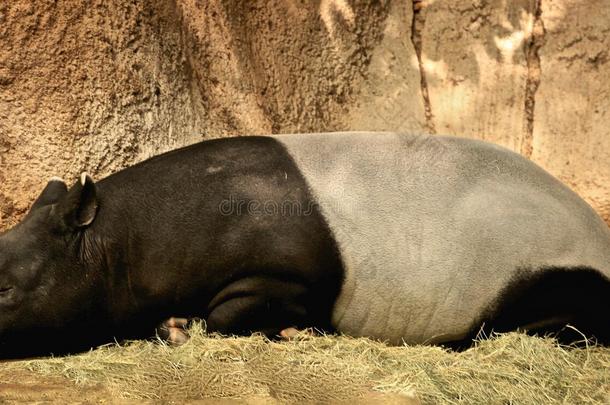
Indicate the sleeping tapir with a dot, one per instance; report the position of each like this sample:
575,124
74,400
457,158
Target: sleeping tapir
397,237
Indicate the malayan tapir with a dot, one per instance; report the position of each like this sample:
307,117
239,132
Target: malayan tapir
403,238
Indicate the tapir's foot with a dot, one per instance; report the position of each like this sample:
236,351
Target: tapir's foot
291,333
174,331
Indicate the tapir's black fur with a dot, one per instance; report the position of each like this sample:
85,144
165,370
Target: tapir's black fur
160,246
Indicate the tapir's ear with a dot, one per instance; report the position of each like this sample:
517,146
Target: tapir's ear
79,206
55,189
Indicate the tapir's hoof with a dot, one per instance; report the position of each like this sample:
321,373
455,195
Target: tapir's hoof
291,333
173,331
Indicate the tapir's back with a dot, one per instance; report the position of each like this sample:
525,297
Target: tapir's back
431,229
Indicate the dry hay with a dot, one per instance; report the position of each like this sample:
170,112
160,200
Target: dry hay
512,368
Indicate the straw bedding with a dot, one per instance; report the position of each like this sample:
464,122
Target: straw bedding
512,368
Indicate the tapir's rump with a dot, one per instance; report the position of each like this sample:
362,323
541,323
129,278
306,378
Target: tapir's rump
398,237
433,231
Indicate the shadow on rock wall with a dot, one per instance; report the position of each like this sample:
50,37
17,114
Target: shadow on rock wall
100,86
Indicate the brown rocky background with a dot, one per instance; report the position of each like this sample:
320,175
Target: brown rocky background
96,86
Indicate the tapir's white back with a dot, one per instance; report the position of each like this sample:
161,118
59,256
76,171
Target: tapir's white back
432,228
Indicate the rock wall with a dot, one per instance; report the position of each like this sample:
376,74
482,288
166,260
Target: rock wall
532,75
98,86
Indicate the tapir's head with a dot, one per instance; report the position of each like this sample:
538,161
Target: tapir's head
42,271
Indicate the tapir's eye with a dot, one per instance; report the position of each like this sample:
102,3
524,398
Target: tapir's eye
4,291
7,297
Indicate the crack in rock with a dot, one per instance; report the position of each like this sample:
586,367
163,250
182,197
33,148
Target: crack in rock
417,26
532,57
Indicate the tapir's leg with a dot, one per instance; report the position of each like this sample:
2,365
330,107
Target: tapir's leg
245,315
548,300
545,302
173,331
267,304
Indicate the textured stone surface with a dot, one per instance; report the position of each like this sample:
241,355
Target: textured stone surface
572,120
87,87
389,95
97,87
531,75
473,58
102,85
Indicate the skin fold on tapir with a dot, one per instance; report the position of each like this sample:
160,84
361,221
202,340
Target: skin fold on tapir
397,237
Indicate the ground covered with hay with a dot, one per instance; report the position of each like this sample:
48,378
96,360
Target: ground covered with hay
513,368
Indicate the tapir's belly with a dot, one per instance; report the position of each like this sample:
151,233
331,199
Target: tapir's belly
431,229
